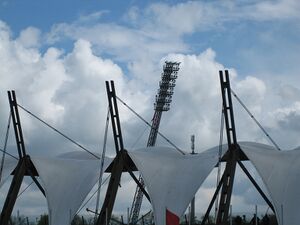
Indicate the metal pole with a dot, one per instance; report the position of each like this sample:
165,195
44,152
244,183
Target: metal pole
70,219
193,143
82,220
255,214
281,214
230,212
106,217
128,215
192,209
190,215
122,219
143,222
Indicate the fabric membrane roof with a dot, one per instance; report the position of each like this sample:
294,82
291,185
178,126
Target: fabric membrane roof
67,181
280,171
171,178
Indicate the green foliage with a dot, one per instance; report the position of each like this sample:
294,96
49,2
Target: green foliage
79,221
238,220
43,220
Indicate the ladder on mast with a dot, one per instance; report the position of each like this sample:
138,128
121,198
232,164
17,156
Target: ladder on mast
24,167
232,157
162,103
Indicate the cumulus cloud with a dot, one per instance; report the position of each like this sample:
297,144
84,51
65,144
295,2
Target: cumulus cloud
26,70
289,92
288,117
182,18
190,16
30,37
280,9
67,88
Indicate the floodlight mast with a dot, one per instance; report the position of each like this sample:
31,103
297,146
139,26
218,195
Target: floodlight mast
162,103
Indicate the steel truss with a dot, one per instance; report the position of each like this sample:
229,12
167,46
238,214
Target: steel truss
232,157
121,163
162,103
24,167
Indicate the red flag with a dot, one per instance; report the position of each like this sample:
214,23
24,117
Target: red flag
171,218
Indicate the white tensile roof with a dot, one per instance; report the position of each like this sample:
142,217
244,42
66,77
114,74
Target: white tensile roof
171,178
67,181
280,171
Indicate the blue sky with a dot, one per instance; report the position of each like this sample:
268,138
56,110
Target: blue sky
57,55
265,37
21,14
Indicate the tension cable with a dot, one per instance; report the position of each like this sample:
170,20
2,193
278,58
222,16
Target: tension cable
255,120
220,157
25,189
87,201
145,121
5,146
65,136
102,160
4,152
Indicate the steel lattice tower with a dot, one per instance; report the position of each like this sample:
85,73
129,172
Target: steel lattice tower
162,103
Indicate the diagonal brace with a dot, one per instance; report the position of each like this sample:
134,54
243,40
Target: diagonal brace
256,185
213,200
138,183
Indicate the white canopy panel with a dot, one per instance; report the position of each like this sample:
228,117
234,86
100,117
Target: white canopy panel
67,182
280,171
172,179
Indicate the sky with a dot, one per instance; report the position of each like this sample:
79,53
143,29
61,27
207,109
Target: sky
57,55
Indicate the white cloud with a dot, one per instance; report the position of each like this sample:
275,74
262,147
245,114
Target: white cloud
182,18
280,9
288,117
289,93
93,17
68,89
246,89
30,37
27,71
167,20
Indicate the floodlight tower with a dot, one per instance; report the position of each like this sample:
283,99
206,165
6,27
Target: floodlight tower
162,103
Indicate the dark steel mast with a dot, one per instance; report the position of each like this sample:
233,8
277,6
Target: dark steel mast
24,167
121,162
233,148
232,157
